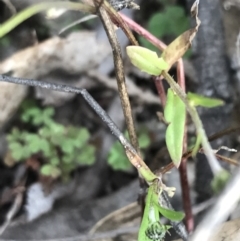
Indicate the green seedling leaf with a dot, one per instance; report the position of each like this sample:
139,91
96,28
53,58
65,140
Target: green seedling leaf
146,60
67,159
14,135
172,21
219,181
67,146
30,113
16,150
175,115
54,161
200,100
48,112
144,140
82,137
87,156
50,170
117,158
57,128
171,214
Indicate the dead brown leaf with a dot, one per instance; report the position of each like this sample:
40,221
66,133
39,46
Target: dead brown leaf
181,44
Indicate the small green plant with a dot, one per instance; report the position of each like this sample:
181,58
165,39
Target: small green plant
117,158
62,148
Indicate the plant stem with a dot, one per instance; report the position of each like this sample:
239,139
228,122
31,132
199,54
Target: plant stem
189,220
120,76
215,166
161,92
135,159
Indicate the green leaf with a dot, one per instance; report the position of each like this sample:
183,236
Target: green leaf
171,214
144,140
45,146
29,114
56,128
146,60
14,135
54,161
87,156
45,132
175,115
48,112
67,146
82,137
172,21
200,100
16,150
50,170
219,181
67,159
117,158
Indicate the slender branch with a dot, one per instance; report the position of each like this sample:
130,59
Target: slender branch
134,158
120,76
117,19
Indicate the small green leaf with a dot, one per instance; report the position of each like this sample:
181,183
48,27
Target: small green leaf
144,140
171,214
146,60
87,156
45,146
30,113
50,170
219,181
175,115
117,158
82,137
54,161
14,135
16,150
200,100
67,146
67,159
45,132
57,128
172,21
48,112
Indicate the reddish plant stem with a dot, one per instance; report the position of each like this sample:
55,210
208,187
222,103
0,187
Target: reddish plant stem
143,32
183,166
158,82
160,89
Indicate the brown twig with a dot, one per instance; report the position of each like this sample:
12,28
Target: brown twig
117,19
13,210
120,76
